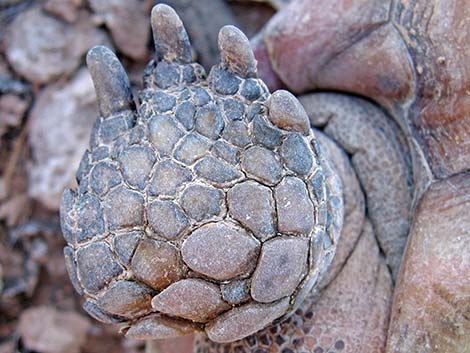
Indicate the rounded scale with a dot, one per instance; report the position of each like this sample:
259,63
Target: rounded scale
220,251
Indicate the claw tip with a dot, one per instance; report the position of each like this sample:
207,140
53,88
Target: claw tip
110,80
286,112
170,37
236,52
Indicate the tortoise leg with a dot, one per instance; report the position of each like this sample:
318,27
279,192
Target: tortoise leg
380,157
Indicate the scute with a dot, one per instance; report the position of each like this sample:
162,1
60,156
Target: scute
126,299
191,148
167,219
90,218
280,269
220,251
136,163
104,177
123,208
245,320
216,171
164,133
125,244
156,263
252,204
294,207
96,266
262,165
168,178
209,121
193,299
202,202
296,154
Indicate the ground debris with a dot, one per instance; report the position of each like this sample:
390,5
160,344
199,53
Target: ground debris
127,22
48,330
42,48
65,113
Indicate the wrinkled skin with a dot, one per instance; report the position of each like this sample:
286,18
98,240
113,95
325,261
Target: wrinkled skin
408,56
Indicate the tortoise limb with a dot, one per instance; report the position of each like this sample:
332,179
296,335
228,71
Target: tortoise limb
379,155
348,250
204,138
354,205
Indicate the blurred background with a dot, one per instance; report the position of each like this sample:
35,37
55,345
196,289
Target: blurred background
47,108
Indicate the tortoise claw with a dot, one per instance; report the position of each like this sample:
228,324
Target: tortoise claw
111,83
169,35
286,112
236,53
